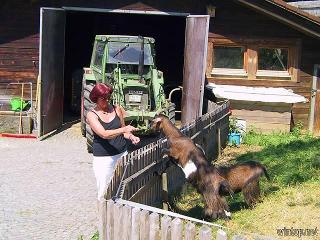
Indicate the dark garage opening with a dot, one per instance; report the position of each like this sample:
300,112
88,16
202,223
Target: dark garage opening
82,26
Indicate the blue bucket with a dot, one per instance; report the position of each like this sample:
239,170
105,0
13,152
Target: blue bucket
234,138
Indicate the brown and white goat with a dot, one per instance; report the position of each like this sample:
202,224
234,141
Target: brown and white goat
244,177
198,171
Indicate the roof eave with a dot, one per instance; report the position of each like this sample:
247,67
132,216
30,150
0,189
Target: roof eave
314,31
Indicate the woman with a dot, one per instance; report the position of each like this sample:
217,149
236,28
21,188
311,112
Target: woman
109,132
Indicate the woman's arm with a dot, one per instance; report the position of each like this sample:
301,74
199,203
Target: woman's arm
121,112
106,134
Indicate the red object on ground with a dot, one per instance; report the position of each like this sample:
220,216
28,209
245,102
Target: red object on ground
14,135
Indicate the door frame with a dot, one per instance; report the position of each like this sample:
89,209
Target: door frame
52,94
187,78
195,65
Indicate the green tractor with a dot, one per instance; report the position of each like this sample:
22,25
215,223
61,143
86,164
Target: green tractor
128,64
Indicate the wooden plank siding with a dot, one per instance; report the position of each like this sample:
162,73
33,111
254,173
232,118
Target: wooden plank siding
19,48
231,25
266,117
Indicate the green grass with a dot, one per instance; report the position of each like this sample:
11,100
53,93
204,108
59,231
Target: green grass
95,236
290,199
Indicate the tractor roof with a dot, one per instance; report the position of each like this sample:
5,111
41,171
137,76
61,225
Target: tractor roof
122,38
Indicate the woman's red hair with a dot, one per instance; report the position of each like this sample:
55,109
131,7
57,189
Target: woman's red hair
100,90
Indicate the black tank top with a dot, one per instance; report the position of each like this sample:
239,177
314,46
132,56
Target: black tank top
109,147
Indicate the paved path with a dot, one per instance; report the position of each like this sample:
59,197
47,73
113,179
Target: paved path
47,188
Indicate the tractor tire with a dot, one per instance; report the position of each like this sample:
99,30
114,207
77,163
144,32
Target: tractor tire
76,84
89,136
87,106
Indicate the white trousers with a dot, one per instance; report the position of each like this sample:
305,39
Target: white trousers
103,168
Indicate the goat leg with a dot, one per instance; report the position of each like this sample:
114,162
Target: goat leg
251,193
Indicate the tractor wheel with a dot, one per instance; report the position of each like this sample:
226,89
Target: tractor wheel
87,106
76,83
89,136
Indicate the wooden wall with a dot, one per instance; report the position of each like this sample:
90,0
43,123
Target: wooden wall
234,21
19,43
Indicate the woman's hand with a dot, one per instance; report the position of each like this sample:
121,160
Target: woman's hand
129,128
135,140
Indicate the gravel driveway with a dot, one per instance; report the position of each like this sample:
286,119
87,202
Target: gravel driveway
47,188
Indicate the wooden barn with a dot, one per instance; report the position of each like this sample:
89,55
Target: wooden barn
260,43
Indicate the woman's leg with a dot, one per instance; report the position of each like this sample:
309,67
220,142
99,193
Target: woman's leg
103,168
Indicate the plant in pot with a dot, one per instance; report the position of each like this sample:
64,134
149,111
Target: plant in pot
234,135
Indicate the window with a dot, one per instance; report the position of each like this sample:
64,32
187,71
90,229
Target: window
128,53
228,57
253,59
228,60
273,63
273,59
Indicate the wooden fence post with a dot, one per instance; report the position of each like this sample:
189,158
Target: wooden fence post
190,231
205,233
126,216
117,221
144,225
102,213
135,219
154,226
176,229
109,228
165,228
221,235
165,197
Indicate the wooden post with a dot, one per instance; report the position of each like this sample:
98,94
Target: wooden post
165,198
21,109
126,216
135,230
144,225
190,231
221,235
117,221
154,226
109,228
165,228
102,213
205,233
176,230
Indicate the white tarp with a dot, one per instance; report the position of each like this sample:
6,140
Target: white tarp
257,94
